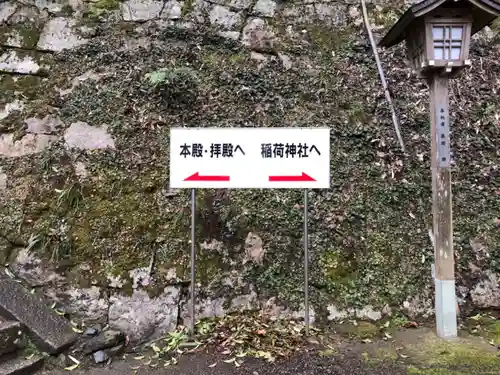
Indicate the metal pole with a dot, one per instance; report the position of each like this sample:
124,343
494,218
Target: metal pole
306,265
193,258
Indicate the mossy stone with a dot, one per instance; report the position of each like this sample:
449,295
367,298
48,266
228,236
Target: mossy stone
360,330
100,7
28,34
187,7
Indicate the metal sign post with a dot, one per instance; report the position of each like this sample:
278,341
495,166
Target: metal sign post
249,158
306,265
193,259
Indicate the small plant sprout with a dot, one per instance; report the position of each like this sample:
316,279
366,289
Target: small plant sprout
168,77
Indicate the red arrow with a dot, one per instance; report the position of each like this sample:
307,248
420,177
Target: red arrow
197,177
303,177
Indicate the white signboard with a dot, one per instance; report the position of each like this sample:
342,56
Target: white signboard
246,158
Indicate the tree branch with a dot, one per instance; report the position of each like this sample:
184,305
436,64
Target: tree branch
382,76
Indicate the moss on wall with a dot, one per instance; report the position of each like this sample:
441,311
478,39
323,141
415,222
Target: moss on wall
27,34
374,218
100,7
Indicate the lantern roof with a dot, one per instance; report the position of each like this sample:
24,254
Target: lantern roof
484,13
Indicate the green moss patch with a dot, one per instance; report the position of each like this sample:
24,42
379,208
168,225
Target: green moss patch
486,326
434,356
421,352
129,218
187,7
26,34
16,86
360,330
100,7
328,39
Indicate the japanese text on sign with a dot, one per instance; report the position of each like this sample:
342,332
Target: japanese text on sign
216,150
288,150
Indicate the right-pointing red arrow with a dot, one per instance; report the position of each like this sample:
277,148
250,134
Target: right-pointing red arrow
302,177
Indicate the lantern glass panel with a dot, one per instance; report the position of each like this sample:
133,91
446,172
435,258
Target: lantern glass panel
447,42
438,33
456,33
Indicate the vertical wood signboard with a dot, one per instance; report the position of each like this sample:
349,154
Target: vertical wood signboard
445,296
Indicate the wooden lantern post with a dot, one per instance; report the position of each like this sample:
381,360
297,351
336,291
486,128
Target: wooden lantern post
437,35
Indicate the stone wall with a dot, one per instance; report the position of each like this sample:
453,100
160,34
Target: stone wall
85,209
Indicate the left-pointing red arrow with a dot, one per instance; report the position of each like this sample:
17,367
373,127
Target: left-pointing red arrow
197,177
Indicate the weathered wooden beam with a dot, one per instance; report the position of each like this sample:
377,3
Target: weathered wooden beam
445,296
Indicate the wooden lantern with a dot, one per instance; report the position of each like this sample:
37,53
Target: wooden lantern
437,35
438,32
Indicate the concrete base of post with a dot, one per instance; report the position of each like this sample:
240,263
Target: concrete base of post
446,309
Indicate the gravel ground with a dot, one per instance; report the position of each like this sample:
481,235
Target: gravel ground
301,364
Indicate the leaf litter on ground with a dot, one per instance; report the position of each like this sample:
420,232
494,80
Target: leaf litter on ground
234,336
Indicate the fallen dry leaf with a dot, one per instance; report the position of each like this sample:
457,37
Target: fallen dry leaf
411,325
